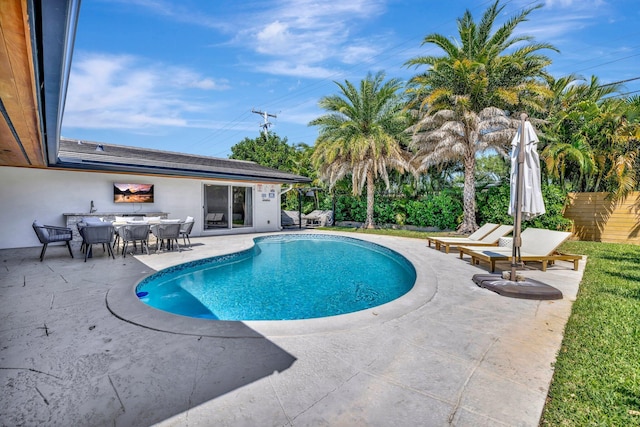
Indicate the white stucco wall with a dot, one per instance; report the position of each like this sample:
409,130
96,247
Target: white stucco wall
43,194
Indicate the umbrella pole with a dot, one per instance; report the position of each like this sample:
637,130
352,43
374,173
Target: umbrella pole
517,241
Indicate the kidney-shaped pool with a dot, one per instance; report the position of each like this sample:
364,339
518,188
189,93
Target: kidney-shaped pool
283,277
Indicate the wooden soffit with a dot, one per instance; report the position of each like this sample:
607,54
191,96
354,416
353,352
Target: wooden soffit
20,137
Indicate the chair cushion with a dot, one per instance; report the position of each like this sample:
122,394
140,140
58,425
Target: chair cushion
41,231
189,219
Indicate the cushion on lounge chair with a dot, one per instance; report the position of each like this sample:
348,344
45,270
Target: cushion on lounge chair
482,231
490,239
537,245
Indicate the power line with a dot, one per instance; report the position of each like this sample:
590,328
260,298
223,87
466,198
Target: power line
620,82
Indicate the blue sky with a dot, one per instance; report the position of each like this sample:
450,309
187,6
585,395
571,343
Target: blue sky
185,75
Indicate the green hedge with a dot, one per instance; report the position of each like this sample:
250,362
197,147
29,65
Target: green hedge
444,209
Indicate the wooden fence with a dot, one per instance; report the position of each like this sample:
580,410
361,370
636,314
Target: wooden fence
598,219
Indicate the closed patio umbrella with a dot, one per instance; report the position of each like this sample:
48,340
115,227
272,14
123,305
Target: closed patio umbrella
526,195
531,194
526,202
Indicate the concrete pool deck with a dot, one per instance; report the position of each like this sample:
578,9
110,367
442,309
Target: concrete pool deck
72,351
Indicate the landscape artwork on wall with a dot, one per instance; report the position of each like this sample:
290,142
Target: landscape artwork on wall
132,193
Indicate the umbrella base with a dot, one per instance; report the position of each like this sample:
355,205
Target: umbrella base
526,289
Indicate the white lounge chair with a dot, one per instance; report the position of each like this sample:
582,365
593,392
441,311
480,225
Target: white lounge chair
473,237
490,239
537,245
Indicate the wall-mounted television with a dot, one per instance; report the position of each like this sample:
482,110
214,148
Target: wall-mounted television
132,193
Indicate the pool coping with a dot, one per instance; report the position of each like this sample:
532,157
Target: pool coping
123,303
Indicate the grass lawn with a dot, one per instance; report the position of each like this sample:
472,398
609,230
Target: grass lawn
597,373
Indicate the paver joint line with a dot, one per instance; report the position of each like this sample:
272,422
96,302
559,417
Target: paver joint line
466,381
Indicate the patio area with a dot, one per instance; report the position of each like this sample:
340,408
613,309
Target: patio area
73,351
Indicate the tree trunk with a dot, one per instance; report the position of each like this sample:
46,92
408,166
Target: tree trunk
370,195
469,224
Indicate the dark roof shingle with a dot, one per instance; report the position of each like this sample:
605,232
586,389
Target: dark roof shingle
119,158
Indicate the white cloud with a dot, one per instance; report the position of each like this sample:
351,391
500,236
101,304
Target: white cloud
299,35
574,4
286,68
123,91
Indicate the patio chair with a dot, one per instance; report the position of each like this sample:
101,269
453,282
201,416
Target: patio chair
135,233
170,232
490,239
289,218
538,245
94,234
475,236
215,219
185,230
51,234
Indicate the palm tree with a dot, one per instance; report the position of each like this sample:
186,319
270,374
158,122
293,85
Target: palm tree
462,96
590,142
362,135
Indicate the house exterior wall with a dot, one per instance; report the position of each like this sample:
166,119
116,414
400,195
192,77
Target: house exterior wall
27,194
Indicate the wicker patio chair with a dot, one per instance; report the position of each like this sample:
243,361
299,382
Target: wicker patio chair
134,233
51,234
185,230
95,234
170,232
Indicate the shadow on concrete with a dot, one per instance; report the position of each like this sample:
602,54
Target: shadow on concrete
65,359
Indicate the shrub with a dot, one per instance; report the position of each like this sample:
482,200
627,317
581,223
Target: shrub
442,210
493,205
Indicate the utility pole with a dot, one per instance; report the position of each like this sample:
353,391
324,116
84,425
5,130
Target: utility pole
265,125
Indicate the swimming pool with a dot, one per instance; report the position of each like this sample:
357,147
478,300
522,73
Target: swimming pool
283,277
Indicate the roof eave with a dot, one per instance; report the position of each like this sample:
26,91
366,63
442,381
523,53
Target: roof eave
53,24
93,166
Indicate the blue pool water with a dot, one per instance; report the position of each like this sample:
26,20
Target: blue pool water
283,277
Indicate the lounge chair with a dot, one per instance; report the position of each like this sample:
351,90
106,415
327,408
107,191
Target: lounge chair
318,218
473,237
215,219
490,239
538,245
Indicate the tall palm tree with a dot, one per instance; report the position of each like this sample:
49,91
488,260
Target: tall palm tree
463,94
362,135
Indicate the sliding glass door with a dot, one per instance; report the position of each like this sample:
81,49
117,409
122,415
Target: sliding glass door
227,206
242,213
